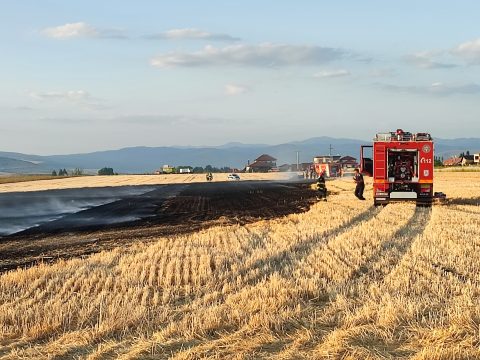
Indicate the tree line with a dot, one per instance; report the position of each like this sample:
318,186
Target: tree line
211,169
64,172
80,172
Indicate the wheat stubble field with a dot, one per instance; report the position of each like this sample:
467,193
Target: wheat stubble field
50,183
344,280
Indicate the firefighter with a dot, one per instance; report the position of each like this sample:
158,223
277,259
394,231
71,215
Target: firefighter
321,187
358,178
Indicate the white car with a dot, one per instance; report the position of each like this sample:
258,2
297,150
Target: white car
233,177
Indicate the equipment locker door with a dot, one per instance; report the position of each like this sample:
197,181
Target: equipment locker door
380,156
366,162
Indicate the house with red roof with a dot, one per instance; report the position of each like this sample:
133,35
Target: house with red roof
453,161
264,163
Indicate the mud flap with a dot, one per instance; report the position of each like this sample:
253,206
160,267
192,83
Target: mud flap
380,202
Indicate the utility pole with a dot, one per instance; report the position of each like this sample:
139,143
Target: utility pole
330,148
298,152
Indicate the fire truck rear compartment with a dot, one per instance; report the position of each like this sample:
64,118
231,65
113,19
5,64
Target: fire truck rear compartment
401,165
403,180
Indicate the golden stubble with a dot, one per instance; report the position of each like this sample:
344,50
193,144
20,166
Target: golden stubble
344,280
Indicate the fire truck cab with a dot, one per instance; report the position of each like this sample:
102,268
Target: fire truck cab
401,164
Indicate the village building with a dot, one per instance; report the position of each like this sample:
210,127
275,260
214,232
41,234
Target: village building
326,159
264,163
285,168
303,166
467,160
327,164
463,160
347,162
332,165
453,161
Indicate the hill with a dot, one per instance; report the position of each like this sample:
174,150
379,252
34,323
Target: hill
9,165
143,159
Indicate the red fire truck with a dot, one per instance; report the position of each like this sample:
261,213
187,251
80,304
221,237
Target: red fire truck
329,169
401,164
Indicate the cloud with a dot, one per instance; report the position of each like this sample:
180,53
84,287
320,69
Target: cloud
425,60
72,95
469,51
232,89
167,120
18,108
82,30
263,55
380,73
436,88
191,34
77,97
69,120
332,74
22,108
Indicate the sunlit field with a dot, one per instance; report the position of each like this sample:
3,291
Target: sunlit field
124,180
4,179
344,280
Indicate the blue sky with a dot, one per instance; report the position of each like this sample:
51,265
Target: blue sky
92,75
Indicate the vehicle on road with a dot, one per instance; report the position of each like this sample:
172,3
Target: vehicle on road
233,177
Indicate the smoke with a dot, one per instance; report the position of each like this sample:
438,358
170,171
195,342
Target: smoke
21,211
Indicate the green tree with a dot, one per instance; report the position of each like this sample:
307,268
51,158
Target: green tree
198,170
77,172
437,162
106,171
54,173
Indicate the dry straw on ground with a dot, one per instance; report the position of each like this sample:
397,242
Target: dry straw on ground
125,180
343,281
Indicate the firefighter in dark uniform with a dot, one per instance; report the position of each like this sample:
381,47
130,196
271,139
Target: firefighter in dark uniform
321,187
358,178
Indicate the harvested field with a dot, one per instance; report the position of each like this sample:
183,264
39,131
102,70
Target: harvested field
9,179
123,180
162,210
343,280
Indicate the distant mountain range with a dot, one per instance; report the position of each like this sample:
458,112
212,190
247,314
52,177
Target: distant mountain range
148,159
